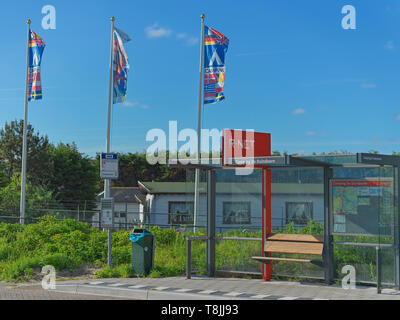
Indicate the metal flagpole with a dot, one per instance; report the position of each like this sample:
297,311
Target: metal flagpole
198,156
107,182
24,142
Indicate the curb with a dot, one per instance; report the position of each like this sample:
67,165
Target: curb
147,294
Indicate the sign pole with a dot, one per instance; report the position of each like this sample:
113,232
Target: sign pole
198,156
24,142
107,182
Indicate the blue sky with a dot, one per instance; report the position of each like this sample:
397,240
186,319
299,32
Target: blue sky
291,71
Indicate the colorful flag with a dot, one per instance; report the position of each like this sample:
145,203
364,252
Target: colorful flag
36,48
120,66
215,48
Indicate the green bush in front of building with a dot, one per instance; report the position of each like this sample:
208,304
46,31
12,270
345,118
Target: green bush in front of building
69,245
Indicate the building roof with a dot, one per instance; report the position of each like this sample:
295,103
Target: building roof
124,194
225,187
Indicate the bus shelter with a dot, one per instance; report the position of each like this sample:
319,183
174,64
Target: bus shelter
360,206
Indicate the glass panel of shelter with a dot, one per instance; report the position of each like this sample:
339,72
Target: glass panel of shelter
297,199
362,214
196,221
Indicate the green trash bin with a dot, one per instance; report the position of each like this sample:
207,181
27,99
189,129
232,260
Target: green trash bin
142,251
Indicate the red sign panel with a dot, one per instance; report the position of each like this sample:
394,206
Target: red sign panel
245,144
361,184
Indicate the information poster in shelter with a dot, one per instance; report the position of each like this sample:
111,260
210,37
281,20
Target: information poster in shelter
362,206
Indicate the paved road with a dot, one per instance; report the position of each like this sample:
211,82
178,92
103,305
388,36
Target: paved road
197,288
204,288
35,292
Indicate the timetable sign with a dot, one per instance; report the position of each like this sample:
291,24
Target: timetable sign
109,166
107,212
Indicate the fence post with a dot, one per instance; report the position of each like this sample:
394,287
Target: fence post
378,269
84,212
188,258
211,222
328,238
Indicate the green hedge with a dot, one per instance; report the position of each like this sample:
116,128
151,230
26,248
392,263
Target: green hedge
69,245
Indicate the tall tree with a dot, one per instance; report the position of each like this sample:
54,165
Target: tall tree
37,197
133,167
75,175
3,177
39,164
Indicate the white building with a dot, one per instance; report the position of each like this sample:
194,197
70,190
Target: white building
127,207
238,205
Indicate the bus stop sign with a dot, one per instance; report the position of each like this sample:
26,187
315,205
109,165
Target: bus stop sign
109,166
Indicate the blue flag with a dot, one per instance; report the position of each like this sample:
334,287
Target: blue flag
215,48
36,48
120,66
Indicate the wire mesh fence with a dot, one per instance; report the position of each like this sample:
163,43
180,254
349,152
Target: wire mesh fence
232,254
88,211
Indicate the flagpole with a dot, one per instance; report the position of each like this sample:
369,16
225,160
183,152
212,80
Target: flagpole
24,142
198,156
107,182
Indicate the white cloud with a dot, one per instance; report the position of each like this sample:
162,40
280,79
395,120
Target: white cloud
389,45
299,111
155,31
181,35
192,41
188,40
130,104
398,117
368,85
311,133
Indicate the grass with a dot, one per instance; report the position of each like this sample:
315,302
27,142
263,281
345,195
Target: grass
69,245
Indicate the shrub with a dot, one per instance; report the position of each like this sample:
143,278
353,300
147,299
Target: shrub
120,271
65,244
20,270
68,244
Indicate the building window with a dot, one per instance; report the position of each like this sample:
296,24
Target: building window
299,212
180,212
236,213
119,214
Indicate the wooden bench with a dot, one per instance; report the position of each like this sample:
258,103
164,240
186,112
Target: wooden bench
294,244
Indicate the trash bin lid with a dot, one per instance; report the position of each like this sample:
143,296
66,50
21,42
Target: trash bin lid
138,234
138,230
